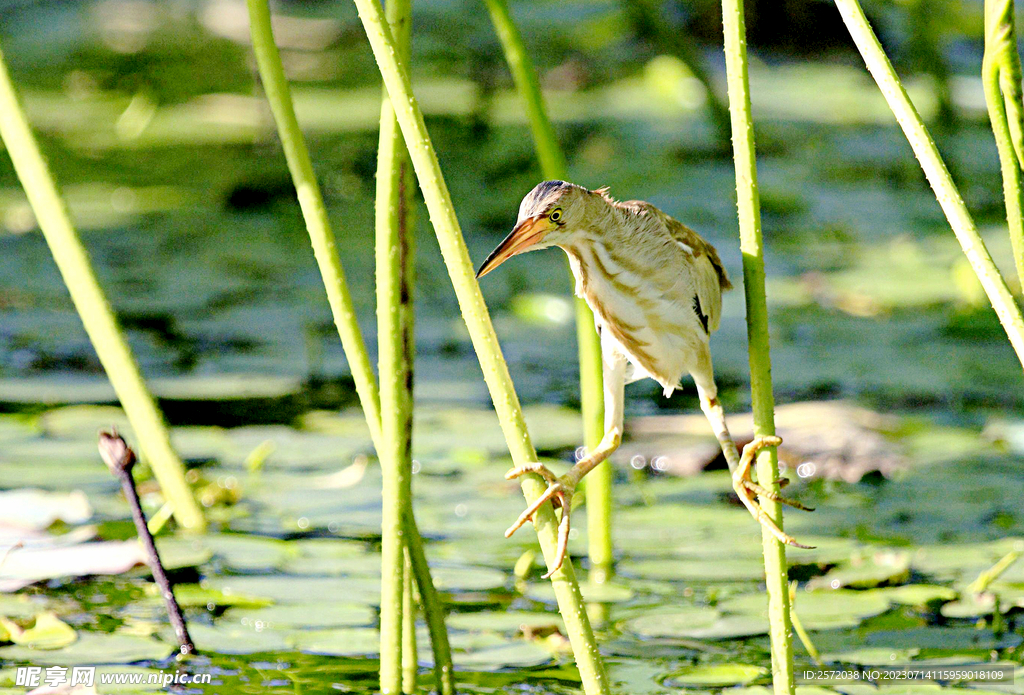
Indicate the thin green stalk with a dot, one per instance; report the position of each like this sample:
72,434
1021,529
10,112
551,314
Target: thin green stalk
553,166
394,257
325,249
1002,80
433,611
481,331
410,654
798,627
982,582
935,170
763,401
98,318
325,246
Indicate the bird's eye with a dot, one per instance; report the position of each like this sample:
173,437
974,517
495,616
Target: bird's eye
555,215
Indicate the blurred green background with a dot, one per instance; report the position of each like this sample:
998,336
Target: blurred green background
156,128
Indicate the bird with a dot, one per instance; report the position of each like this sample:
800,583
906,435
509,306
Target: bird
655,288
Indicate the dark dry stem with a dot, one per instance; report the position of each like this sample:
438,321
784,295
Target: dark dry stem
120,459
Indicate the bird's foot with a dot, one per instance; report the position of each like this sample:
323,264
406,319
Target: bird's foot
772,495
747,490
559,492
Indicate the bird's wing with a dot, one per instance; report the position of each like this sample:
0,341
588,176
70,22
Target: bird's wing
709,276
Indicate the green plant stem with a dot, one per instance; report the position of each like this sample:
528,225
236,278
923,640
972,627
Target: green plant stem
553,166
935,170
325,249
325,246
481,331
394,256
433,611
763,401
982,582
1001,77
410,654
798,627
97,316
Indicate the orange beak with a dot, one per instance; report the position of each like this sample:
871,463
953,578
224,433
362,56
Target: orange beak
526,234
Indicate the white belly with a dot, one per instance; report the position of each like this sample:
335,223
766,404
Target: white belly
660,336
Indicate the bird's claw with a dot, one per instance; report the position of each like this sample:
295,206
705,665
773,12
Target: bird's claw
746,489
559,492
772,495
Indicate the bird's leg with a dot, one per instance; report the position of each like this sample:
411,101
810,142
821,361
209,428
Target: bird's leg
745,488
561,489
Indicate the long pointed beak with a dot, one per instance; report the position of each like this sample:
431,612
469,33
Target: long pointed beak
526,234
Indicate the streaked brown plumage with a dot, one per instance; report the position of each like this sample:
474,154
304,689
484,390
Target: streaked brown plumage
655,287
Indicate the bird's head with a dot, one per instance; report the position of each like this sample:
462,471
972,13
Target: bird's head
549,215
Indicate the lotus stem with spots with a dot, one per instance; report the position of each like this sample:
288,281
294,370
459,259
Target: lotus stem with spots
395,355
325,249
481,331
1000,72
935,170
763,401
553,166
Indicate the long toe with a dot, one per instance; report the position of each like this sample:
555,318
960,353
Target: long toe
531,467
779,534
772,495
555,493
563,534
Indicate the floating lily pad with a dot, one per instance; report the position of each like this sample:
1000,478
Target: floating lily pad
355,641
504,621
245,553
230,636
875,656
865,572
677,622
817,610
285,588
604,592
454,579
698,570
518,654
972,606
22,605
83,421
918,594
29,565
195,596
730,627
313,614
30,508
177,553
955,561
93,648
366,565
715,675
48,632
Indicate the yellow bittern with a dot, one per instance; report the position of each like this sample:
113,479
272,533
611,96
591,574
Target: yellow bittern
655,287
